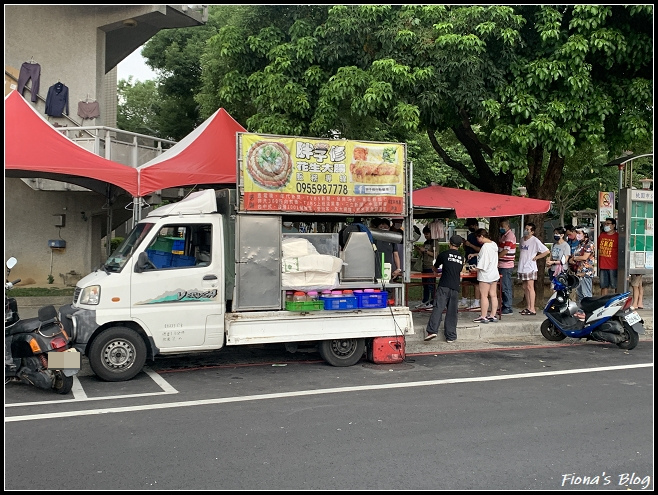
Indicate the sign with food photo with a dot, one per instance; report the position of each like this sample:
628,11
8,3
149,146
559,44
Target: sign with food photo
299,174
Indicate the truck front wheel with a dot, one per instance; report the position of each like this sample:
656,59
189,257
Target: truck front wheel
342,352
117,354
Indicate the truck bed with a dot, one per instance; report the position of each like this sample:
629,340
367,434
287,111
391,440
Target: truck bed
262,327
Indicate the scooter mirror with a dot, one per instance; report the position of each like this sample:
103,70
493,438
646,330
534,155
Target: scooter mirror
11,262
563,260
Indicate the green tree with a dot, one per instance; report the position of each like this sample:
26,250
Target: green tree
175,55
580,184
138,107
520,87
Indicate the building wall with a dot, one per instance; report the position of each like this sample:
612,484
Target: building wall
30,224
69,42
66,40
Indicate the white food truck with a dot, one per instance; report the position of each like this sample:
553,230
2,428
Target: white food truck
217,269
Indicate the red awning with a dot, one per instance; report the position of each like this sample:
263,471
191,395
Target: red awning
34,148
205,156
474,204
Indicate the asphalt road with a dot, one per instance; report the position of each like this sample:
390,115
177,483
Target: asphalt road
547,418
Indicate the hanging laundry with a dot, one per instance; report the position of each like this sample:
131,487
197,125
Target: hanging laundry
437,229
89,110
30,71
57,101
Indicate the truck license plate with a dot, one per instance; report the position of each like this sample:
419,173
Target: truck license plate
632,318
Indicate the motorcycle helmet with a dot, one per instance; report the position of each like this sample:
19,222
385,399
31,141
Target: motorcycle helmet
566,281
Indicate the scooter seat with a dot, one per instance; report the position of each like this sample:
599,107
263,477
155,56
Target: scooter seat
589,304
28,326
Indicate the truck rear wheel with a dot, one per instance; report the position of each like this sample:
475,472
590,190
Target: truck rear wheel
117,354
342,352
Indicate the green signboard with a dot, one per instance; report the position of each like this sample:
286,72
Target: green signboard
635,226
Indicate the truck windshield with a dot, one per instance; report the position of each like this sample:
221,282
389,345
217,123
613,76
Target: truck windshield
124,251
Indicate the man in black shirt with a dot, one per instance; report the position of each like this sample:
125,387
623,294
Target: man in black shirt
447,294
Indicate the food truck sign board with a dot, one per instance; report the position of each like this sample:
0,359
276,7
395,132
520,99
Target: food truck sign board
311,175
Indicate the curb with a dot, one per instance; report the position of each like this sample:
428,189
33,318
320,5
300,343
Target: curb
513,328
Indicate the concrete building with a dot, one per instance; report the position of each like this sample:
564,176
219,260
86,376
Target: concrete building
79,46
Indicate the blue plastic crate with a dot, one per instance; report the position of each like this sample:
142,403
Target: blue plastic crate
160,259
177,260
178,246
372,299
340,302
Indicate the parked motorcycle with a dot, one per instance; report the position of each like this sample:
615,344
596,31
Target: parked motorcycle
607,318
32,344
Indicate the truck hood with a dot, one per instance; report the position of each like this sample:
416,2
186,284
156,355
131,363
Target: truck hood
94,278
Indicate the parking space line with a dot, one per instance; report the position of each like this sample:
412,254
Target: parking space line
77,390
79,394
161,382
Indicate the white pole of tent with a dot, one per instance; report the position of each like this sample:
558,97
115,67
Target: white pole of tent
135,211
523,191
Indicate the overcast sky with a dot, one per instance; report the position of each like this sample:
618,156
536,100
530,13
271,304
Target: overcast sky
134,65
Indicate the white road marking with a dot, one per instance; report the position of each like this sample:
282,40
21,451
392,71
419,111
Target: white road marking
161,382
79,394
77,390
300,393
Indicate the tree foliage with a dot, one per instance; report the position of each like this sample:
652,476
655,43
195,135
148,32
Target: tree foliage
175,55
486,96
518,87
139,106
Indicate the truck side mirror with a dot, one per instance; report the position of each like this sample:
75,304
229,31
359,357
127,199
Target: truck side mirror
143,263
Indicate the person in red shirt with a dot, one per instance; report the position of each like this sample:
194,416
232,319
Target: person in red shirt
608,256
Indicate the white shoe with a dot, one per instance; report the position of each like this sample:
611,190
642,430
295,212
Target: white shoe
420,306
475,305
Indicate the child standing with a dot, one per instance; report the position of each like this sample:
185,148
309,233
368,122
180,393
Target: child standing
427,256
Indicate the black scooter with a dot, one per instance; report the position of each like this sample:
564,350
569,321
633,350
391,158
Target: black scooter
38,350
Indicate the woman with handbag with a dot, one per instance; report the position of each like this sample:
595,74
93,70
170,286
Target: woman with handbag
582,263
560,248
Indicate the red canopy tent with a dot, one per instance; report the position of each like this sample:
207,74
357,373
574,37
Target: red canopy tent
205,156
34,148
432,200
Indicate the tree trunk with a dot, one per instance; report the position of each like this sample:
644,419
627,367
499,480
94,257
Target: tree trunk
542,190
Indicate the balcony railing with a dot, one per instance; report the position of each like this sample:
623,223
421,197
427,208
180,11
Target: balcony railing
129,148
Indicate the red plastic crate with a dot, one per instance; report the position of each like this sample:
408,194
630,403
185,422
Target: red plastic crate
387,350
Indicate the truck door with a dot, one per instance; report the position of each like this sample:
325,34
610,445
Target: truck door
180,298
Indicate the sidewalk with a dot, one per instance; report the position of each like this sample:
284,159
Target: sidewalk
513,329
